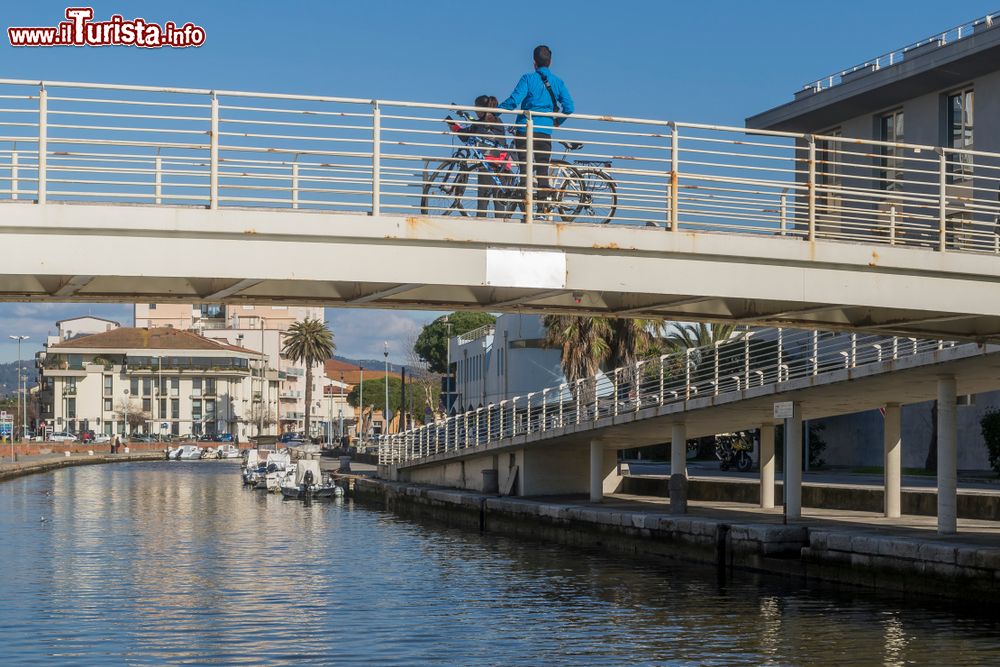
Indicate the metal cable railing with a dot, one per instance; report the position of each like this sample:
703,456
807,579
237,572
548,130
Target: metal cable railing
79,142
750,359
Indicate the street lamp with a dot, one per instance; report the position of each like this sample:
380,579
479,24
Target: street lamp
361,405
385,415
125,391
340,411
450,392
19,414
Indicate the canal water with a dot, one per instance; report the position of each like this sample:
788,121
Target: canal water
176,563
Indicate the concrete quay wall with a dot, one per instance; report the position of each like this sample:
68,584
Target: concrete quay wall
921,566
972,504
19,469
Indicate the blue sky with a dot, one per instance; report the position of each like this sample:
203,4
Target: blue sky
715,62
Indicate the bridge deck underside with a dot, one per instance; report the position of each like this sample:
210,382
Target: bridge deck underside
130,253
906,381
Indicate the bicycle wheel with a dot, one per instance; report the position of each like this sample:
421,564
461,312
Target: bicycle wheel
444,191
565,191
599,197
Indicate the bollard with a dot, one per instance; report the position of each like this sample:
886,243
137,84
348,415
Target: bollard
67,453
491,482
345,464
126,450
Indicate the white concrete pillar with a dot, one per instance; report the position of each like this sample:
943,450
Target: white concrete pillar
793,464
596,471
766,465
947,457
678,469
892,462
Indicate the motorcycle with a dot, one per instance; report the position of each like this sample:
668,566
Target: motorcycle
733,451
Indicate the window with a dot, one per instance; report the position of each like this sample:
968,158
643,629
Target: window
69,386
209,386
109,383
71,408
247,307
152,306
175,386
133,386
196,410
961,108
162,410
147,404
891,129
196,387
147,386
107,405
175,408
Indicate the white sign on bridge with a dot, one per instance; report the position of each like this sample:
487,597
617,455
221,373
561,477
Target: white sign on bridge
784,410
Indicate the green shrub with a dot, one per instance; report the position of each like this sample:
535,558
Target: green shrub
990,424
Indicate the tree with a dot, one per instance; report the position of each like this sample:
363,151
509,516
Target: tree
127,410
584,344
432,343
260,416
309,342
681,336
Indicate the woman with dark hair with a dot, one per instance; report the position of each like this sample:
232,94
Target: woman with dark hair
489,134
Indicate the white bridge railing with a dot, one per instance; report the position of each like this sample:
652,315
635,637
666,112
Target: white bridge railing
750,359
80,142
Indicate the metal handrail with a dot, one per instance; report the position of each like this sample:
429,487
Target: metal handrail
356,155
761,358
897,56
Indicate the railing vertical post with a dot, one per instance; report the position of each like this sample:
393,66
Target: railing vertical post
527,420
529,167
158,178
465,430
542,427
716,373
675,163
746,360
942,199
597,405
295,185
376,158
616,385
815,346
892,223
561,405
663,358
854,350
14,185
811,185
489,423
513,416
781,351
687,374
783,212
213,156
579,399
43,143
500,425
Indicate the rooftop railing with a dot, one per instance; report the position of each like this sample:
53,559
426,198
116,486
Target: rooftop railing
750,359
81,142
899,55
475,334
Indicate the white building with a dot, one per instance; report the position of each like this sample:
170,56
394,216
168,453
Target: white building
178,382
262,329
503,360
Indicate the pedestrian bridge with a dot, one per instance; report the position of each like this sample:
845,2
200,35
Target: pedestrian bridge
538,442
134,193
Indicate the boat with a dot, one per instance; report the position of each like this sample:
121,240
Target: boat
228,452
172,453
308,482
253,467
189,453
277,462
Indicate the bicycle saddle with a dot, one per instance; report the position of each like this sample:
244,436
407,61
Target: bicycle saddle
571,145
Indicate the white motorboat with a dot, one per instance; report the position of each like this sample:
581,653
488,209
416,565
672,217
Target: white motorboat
228,452
189,453
308,482
253,467
277,463
173,453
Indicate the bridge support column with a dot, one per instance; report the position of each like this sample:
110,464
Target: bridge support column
766,464
947,457
893,447
678,469
793,464
596,471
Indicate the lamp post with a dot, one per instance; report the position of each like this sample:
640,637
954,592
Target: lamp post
23,418
329,421
125,391
385,415
450,393
361,405
340,411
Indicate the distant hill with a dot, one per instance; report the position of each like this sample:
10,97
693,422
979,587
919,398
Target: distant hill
8,375
369,363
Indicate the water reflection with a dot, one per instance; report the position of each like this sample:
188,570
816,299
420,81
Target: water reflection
175,562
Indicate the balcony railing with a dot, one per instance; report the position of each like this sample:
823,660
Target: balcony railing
750,359
82,142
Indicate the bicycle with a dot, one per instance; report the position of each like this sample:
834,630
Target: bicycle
445,187
597,192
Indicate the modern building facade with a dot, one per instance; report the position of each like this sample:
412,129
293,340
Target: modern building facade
159,381
503,360
258,328
943,91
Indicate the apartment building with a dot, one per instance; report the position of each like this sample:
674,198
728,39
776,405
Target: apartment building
159,381
262,329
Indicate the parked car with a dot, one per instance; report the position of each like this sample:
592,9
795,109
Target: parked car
222,437
63,436
290,436
101,439
188,437
142,438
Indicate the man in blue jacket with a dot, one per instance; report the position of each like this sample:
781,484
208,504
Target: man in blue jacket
540,90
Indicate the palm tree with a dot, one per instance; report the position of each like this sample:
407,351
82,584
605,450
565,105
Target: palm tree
584,343
309,342
681,336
